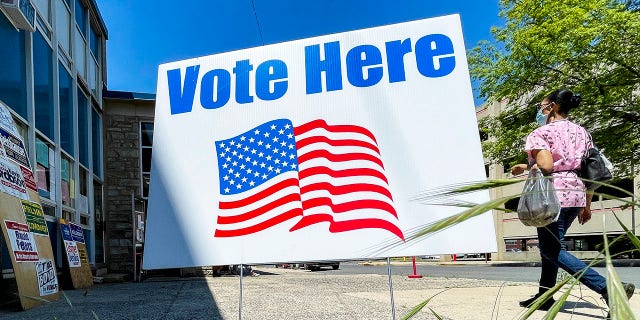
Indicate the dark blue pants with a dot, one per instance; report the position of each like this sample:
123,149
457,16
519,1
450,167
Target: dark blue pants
553,252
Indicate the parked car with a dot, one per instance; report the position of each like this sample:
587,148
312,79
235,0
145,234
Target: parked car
315,266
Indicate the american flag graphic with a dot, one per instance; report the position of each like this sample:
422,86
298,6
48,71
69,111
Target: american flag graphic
314,173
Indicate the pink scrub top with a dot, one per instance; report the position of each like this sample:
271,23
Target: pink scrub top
567,143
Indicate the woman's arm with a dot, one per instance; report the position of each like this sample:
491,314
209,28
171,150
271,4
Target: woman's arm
544,160
585,215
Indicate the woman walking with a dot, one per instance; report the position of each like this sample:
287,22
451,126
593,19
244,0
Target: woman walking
556,148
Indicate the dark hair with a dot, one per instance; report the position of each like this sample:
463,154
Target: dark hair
566,99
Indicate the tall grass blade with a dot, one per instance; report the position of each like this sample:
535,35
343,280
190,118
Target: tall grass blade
618,304
544,297
420,306
435,314
555,308
630,235
416,309
66,299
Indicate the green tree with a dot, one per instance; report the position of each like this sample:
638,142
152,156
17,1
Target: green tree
591,47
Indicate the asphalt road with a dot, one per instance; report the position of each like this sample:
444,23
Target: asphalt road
487,272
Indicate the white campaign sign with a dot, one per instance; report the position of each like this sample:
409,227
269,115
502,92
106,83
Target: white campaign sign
313,150
47,279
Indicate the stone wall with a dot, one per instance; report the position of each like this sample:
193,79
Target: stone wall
122,177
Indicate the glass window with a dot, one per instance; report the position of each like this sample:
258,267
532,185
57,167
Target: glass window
43,7
44,161
65,94
81,16
93,77
146,177
79,55
13,83
83,128
67,183
99,221
146,159
83,199
49,211
43,84
146,139
63,25
83,181
96,139
94,43
68,215
146,132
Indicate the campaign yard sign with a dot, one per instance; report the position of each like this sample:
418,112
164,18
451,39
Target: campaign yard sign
73,256
47,279
314,149
22,242
35,218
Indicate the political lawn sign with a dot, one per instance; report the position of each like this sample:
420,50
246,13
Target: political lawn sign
314,149
22,220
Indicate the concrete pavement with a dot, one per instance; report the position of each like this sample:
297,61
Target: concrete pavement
301,294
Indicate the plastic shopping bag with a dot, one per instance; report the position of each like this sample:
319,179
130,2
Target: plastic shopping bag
539,205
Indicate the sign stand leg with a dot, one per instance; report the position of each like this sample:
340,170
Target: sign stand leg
393,307
240,301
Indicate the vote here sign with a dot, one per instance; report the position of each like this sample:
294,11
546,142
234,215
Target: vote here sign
313,150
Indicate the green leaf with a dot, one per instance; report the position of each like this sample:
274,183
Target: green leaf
619,307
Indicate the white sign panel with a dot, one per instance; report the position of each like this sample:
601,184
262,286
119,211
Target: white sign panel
47,279
72,253
313,150
11,180
22,242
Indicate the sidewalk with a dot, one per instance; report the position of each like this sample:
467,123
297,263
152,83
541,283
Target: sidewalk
301,294
482,262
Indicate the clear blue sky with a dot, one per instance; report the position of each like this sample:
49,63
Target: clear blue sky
145,33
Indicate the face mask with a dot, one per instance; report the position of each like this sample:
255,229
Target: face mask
541,118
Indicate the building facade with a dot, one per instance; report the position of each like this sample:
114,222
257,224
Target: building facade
128,123
52,73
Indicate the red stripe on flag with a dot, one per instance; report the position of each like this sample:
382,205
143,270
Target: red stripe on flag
332,128
339,157
349,225
346,189
305,173
336,143
348,206
259,211
258,196
260,226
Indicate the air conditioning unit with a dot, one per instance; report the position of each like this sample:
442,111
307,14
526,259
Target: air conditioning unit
21,13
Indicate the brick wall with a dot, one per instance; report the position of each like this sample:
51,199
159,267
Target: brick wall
122,177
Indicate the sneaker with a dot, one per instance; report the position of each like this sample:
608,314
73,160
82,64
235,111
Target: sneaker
629,289
544,306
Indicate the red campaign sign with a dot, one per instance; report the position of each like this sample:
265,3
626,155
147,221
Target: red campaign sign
21,241
16,226
29,180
